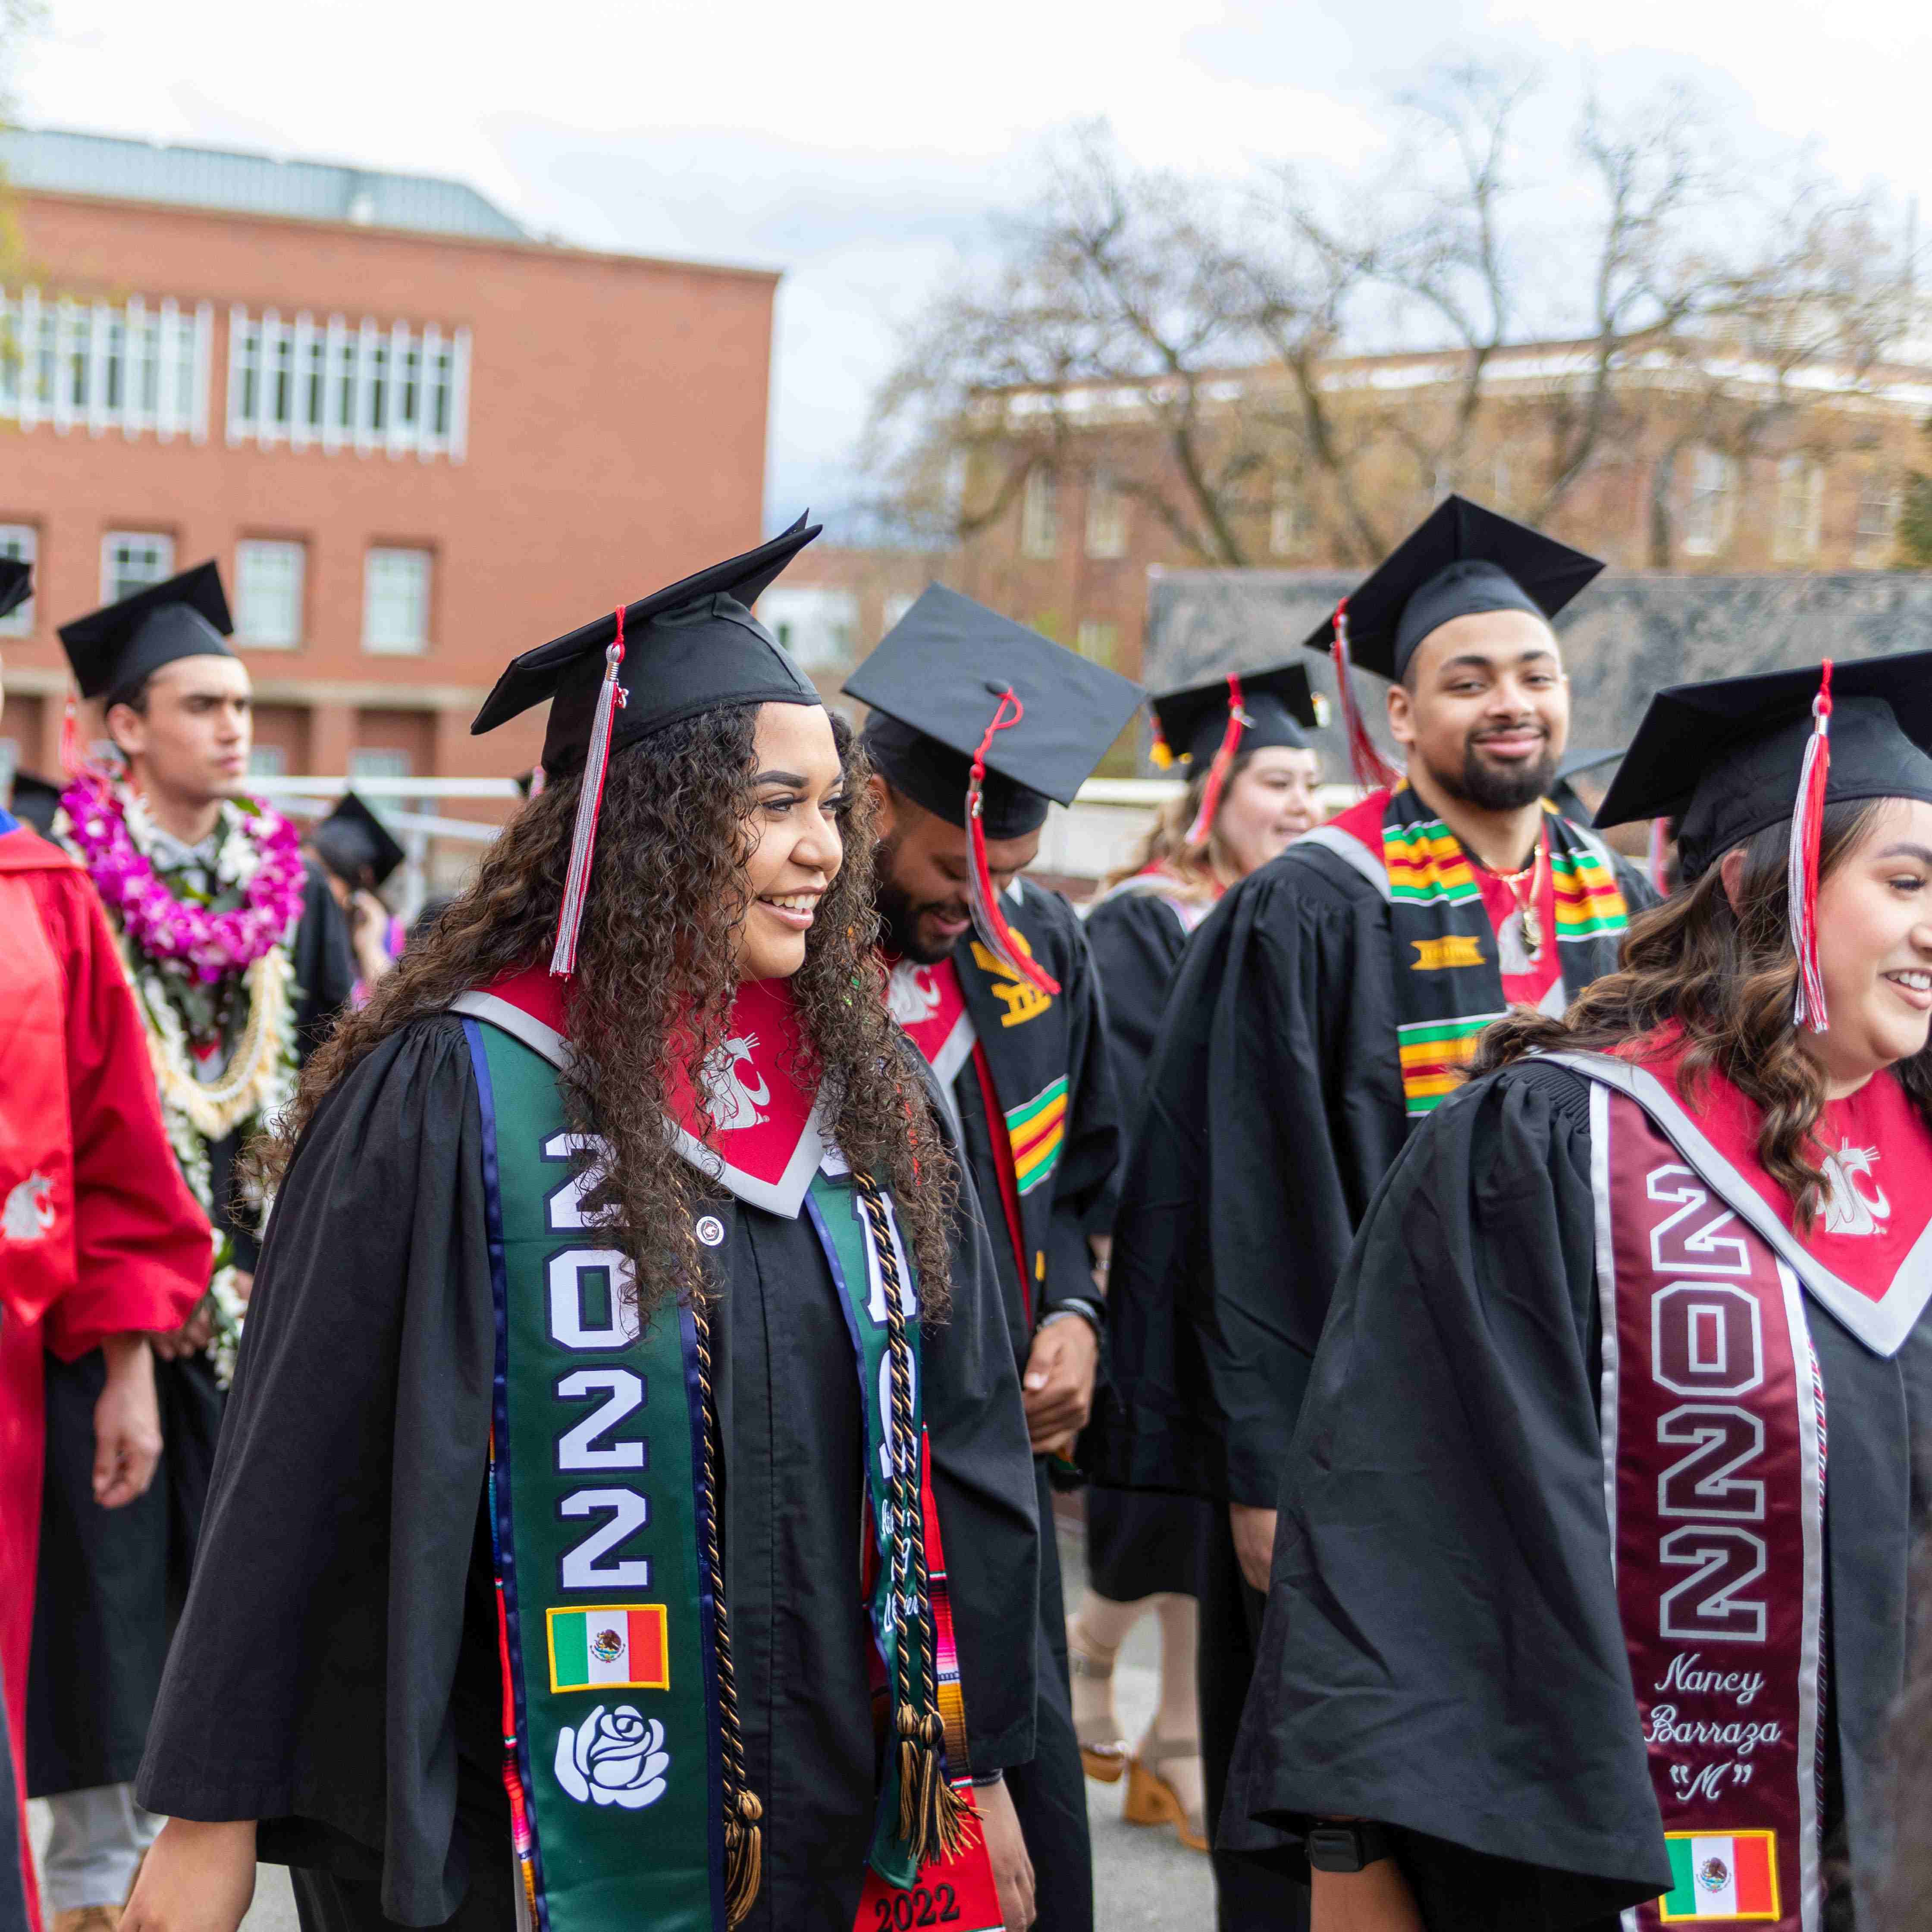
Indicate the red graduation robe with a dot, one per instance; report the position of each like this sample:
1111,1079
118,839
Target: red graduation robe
99,1234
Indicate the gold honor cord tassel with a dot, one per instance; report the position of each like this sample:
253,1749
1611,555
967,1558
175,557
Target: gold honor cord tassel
744,1858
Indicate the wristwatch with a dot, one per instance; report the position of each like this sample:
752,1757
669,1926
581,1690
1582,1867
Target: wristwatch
1347,1848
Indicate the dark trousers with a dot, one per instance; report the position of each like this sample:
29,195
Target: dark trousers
1254,1892
326,1903
1050,1794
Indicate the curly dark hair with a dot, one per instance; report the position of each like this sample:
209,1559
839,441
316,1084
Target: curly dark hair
653,990
1729,979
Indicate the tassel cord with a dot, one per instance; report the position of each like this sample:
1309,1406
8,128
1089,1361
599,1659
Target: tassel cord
987,917
611,698
1372,771
1807,821
1228,750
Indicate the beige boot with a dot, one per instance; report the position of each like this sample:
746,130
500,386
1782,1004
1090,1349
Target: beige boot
88,1918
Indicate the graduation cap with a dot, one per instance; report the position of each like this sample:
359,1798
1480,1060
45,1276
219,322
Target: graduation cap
16,583
1207,726
979,719
355,845
115,650
688,648
1461,561
1729,758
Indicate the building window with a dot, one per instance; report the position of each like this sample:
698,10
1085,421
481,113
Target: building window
1801,510
1099,640
1291,523
1712,511
376,761
20,541
139,368
1106,519
267,761
130,560
395,601
1040,515
1878,519
268,592
818,625
402,389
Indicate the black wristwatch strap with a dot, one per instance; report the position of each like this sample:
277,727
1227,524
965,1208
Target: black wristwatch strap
1348,1848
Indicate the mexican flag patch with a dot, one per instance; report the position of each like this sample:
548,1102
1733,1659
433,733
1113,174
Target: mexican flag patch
1714,1877
609,1647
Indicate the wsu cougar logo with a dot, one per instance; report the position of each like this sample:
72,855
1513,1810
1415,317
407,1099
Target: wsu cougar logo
28,1215
1849,1209
734,1087
910,996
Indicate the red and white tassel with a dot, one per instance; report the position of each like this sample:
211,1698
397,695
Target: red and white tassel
993,930
1372,771
584,833
1808,822
1224,763
73,760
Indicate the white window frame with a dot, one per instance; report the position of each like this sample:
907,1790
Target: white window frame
88,367
22,542
1876,533
378,556
254,553
1098,640
110,590
1106,519
1711,511
267,761
1291,528
1040,515
379,761
1798,530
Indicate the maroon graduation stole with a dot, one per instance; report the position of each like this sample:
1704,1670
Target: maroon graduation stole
1714,1432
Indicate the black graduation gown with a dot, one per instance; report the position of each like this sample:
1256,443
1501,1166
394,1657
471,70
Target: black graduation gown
1030,1041
1139,1544
112,1582
1450,1434
335,1674
1273,1108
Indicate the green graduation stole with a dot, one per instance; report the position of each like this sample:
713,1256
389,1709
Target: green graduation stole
630,1804
1448,981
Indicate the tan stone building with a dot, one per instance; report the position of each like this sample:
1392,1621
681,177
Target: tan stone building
1723,462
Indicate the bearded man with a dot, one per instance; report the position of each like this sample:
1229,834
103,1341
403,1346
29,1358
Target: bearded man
1327,1004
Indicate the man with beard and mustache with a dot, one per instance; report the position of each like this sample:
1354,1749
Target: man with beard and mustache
1327,1004
976,723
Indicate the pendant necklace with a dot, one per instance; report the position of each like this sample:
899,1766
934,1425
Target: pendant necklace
1526,909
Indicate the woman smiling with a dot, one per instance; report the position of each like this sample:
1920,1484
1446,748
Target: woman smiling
1558,1517
621,1348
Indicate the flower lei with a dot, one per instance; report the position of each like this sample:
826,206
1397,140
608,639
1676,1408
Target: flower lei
211,944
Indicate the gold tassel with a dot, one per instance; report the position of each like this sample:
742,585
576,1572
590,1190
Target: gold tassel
744,1858
934,1821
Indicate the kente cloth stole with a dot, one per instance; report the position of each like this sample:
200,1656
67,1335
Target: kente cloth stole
1713,1421
1448,983
599,1516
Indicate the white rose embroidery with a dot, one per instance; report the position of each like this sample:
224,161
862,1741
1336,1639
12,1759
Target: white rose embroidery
613,1758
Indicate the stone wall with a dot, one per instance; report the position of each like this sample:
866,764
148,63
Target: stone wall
1623,638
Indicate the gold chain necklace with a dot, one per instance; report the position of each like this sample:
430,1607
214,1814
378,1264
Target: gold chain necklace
1527,909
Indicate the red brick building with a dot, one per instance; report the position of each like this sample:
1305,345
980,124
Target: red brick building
417,440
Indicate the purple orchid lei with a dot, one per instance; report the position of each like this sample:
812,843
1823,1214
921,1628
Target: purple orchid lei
209,944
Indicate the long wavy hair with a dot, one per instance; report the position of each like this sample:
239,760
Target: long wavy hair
1728,978
1165,843
649,1005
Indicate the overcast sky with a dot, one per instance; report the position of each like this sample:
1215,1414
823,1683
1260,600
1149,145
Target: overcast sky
863,148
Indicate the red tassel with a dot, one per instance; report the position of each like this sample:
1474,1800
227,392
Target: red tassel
72,761
1808,822
1224,763
584,833
1372,771
992,922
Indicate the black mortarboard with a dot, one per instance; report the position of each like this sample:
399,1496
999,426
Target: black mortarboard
1279,705
1724,758
687,649
681,651
934,683
16,583
113,651
1462,559
35,802
354,842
